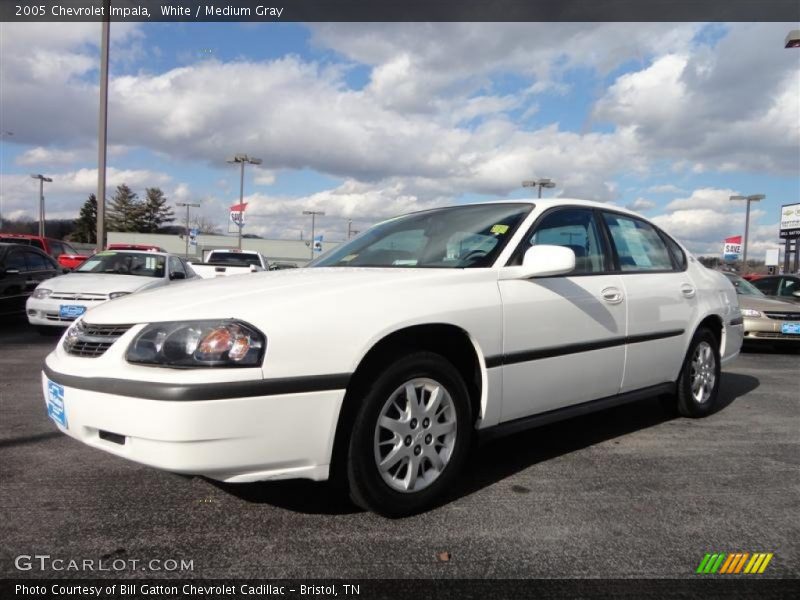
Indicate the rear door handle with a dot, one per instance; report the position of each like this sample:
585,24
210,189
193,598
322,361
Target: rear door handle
611,295
688,291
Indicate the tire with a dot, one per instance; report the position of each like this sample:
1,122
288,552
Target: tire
423,444
698,384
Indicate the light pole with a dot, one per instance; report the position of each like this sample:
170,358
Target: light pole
102,129
2,135
540,183
242,159
350,231
748,199
41,179
188,206
313,214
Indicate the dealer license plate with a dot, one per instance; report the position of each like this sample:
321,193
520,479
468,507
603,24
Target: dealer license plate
56,409
792,328
71,311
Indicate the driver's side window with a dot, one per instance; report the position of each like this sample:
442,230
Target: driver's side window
573,228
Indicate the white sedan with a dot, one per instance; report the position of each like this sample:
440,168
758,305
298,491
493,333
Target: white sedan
104,276
382,362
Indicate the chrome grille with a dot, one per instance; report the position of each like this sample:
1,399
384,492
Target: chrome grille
773,335
78,296
91,341
783,316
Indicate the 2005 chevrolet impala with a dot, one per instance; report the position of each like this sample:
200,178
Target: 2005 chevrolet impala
392,352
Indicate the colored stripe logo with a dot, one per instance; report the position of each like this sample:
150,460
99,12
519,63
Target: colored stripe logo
734,563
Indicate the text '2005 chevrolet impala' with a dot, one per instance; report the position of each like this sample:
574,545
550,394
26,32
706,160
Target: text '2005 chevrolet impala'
383,361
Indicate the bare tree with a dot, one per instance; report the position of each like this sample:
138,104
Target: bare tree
206,225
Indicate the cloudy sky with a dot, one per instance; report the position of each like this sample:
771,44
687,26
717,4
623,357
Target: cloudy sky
366,121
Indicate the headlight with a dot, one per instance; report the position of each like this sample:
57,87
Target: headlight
113,295
749,312
220,343
41,293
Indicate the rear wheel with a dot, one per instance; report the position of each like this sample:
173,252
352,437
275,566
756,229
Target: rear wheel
410,437
698,384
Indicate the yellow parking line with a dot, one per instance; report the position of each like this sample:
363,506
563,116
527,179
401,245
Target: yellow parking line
766,562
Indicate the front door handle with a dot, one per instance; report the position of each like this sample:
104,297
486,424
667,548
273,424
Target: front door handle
611,295
688,291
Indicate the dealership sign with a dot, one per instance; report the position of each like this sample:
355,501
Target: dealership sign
790,220
732,248
236,220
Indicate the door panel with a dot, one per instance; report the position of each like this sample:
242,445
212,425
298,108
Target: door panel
549,327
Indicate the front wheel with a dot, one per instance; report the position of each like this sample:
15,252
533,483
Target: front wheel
411,436
698,384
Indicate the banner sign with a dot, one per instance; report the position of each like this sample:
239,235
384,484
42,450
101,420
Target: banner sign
318,243
193,237
236,220
732,248
790,221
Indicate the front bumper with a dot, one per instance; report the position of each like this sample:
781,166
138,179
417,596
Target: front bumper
767,331
47,311
240,439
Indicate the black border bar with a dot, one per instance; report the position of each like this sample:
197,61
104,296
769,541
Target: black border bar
407,10
708,587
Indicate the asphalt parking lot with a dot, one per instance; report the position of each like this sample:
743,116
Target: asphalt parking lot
630,492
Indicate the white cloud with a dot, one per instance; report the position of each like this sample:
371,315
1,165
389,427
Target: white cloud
665,189
641,204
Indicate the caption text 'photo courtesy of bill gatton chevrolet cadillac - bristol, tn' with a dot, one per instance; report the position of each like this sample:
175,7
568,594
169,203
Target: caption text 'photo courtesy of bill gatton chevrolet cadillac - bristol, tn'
381,363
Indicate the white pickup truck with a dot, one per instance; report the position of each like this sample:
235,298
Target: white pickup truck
221,263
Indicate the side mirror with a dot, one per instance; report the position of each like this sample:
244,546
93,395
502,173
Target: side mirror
543,261
177,275
5,272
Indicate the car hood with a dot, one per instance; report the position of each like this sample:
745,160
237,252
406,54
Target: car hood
100,283
292,291
757,303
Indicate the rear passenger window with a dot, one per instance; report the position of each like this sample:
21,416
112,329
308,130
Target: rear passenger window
677,252
638,245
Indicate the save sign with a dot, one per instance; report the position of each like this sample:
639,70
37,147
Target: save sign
732,248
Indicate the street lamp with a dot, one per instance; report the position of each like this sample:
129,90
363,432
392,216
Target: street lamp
242,159
541,183
188,206
313,214
748,199
41,179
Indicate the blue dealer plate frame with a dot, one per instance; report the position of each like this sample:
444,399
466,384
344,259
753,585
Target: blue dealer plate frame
56,408
71,311
791,328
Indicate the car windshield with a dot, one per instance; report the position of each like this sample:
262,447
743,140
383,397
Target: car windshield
456,237
743,287
125,263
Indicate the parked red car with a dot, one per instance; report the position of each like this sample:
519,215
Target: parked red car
65,254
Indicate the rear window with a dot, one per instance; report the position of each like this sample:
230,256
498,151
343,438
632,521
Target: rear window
233,258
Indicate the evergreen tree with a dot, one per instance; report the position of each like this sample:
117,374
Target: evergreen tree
86,223
125,210
155,211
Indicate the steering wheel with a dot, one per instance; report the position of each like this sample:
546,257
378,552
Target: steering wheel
472,256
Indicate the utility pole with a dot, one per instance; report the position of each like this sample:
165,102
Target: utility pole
242,159
541,183
41,179
313,214
748,199
188,206
102,129
350,231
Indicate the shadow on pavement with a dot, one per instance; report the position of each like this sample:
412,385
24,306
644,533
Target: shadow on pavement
500,458
29,439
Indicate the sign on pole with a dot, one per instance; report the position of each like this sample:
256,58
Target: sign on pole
193,237
790,221
318,243
236,219
732,248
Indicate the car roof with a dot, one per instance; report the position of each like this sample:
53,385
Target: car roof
127,251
